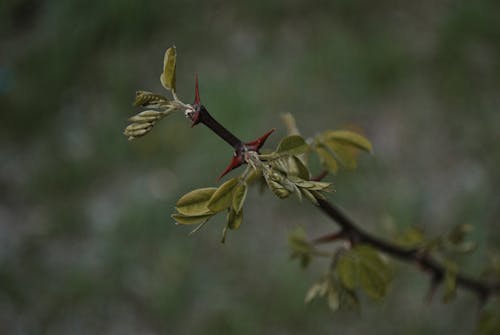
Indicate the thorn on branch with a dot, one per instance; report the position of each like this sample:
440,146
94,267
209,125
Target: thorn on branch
320,176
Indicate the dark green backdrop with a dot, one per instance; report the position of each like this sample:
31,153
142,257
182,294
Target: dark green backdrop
86,242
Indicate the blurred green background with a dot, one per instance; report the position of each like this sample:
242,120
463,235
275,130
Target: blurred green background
86,242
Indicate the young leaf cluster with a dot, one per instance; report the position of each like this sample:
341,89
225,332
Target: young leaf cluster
156,106
446,248
360,268
198,206
339,148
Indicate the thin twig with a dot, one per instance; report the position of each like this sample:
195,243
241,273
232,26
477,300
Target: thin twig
411,255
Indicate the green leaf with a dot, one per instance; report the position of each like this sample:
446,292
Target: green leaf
349,137
301,169
333,299
195,202
239,196
327,160
347,270
374,273
319,289
310,184
310,196
278,189
167,77
148,116
345,155
292,145
150,100
224,234
223,196
412,237
185,219
363,266
138,129
234,219
299,246
348,298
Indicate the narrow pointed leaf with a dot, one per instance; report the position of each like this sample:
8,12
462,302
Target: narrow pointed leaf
185,219
239,196
167,77
347,270
349,137
374,273
234,219
327,160
306,193
223,196
333,300
150,100
292,145
302,170
195,202
346,155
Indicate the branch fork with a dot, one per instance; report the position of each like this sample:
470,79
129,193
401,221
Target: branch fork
199,114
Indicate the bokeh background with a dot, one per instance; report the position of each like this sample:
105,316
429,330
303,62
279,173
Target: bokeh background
87,245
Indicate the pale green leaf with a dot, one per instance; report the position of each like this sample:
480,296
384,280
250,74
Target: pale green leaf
223,196
327,160
347,270
278,189
195,202
224,234
239,196
374,273
411,237
167,77
349,137
312,293
373,282
348,298
292,145
363,266
185,219
310,196
234,219
333,300
301,169
148,116
300,248
345,155
150,100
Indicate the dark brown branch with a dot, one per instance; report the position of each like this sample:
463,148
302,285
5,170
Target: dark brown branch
203,116
410,255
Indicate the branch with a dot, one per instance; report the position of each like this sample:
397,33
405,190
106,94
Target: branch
201,115
350,230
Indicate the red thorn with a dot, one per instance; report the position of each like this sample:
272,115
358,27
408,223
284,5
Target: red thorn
321,176
330,237
236,161
258,143
196,90
195,118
